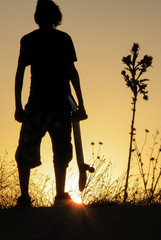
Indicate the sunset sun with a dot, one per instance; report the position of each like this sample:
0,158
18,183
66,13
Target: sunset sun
76,198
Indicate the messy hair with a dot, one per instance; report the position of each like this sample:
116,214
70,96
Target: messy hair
47,13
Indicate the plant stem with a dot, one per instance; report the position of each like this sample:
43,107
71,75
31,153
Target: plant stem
130,148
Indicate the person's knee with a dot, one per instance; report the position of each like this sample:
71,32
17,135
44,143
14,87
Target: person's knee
26,157
63,156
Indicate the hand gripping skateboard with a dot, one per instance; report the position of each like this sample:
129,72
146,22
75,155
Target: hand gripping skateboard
79,150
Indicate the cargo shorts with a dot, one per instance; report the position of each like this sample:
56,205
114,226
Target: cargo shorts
34,128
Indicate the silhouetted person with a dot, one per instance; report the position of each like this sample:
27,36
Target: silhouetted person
51,55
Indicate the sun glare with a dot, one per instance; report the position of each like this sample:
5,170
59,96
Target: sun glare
76,198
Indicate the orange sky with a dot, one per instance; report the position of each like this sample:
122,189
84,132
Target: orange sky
103,31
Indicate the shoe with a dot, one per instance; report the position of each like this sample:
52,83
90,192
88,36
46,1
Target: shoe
23,203
63,200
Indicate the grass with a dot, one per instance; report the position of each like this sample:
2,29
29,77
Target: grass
100,189
9,185
9,188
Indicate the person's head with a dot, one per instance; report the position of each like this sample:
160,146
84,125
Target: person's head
47,13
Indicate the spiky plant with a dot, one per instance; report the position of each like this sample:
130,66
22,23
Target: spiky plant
133,77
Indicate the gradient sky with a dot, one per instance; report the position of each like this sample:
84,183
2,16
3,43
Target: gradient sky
103,31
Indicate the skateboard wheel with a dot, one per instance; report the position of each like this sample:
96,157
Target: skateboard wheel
91,170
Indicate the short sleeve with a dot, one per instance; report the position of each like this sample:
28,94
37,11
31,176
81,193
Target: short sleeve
70,53
24,56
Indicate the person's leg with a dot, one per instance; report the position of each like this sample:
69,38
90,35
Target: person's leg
60,178
24,175
28,151
24,201
60,133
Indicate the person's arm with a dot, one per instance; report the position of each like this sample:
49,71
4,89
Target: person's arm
19,112
74,77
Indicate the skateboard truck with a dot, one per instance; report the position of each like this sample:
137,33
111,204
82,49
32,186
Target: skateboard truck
83,168
86,167
83,175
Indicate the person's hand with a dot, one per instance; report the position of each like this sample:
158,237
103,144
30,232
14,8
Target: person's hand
19,115
80,114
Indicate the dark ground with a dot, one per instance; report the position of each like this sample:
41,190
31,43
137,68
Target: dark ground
109,222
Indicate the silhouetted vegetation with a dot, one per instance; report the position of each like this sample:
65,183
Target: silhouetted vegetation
133,77
101,188
8,182
150,179
10,190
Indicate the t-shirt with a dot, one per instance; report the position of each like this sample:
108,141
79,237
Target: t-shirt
48,51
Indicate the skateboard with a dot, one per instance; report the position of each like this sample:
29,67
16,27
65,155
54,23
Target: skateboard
79,149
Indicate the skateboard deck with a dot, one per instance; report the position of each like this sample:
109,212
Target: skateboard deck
79,149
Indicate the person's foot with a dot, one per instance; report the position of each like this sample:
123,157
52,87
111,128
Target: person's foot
63,200
23,203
